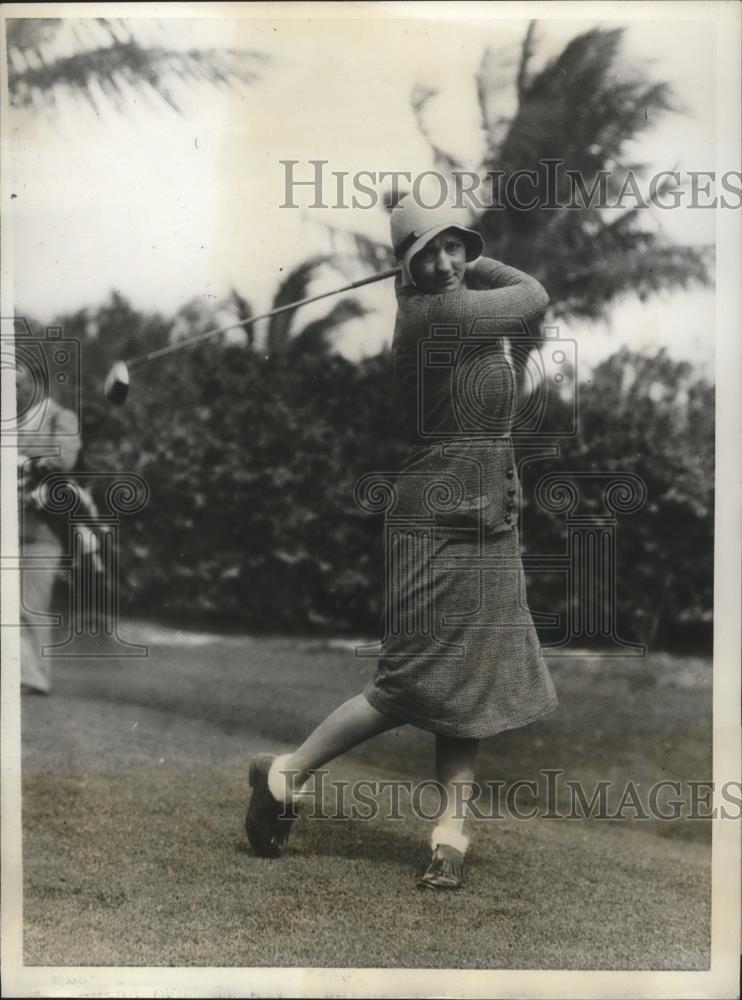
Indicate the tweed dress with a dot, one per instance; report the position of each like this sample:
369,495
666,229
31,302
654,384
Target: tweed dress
459,653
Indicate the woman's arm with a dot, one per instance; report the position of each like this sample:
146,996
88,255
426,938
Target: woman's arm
486,273
507,296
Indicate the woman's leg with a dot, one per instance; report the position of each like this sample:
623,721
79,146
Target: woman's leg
277,781
455,761
41,555
353,722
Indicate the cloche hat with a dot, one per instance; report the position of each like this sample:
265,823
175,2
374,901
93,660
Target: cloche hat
413,226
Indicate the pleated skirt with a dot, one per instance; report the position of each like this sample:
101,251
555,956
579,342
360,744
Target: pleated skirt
460,655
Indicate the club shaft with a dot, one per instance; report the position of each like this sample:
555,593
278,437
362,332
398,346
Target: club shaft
190,341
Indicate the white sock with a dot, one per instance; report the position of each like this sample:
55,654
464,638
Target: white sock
278,784
449,836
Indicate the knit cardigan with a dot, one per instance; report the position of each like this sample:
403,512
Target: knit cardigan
455,387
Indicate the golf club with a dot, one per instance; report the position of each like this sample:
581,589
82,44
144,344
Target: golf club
116,386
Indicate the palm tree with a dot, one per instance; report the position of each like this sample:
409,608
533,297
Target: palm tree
106,61
581,108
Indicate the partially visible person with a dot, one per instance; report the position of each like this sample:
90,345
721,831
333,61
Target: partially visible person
48,441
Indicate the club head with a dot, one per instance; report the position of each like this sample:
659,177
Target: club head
116,386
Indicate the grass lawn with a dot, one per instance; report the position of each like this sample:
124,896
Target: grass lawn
134,777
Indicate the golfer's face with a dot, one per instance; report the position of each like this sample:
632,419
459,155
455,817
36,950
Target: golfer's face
441,265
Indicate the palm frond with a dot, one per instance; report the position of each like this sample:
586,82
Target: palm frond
372,253
526,54
295,286
351,248
494,83
583,110
315,337
582,107
244,310
589,287
102,61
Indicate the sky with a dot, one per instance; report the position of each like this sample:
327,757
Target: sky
166,208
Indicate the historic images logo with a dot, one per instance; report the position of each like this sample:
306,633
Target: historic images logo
548,186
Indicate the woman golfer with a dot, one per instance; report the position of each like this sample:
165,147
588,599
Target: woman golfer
460,657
